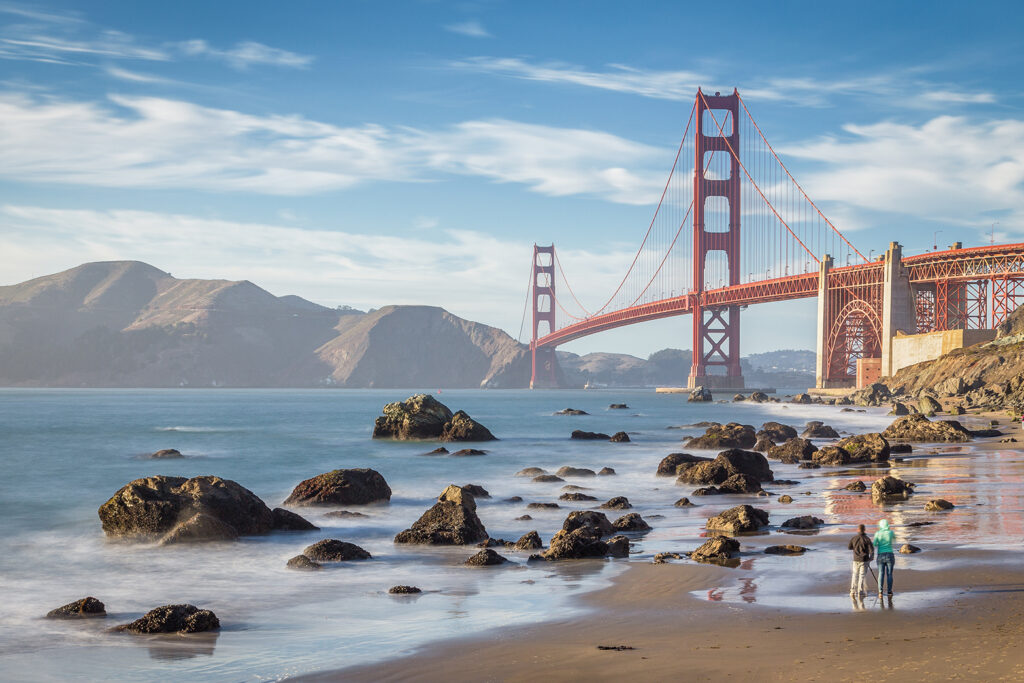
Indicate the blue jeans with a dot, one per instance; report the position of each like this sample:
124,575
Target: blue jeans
886,561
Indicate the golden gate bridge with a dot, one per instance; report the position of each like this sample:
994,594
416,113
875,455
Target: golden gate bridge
733,228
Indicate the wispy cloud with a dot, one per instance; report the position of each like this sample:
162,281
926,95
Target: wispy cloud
246,54
164,143
135,76
472,28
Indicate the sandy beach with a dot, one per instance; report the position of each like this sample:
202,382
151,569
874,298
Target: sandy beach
973,634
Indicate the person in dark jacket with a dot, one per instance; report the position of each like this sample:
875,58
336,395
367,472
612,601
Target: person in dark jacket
863,552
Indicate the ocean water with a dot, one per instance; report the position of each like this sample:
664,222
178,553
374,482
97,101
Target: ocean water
64,452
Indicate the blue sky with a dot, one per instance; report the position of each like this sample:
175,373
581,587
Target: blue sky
368,153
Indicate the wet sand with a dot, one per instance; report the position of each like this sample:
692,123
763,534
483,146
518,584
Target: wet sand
974,630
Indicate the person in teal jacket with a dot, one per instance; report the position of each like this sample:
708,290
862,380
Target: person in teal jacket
882,540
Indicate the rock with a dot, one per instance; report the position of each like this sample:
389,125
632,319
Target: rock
631,522
476,490
763,444
173,619
619,437
618,406
618,546
493,543
167,453
451,521
578,543
700,395
670,463
819,430
938,505
891,488
809,466
575,472
736,483
467,452
983,433
662,558
344,514
572,411
732,435
803,522
528,541
777,432
738,398
927,404
576,497
758,397
542,506
286,520
683,503
920,428
716,550
485,558
440,450
530,472
793,451
832,456
524,518
303,563
513,499
342,487
908,549
870,447
857,486
574,487
900,448
404,590
547,479
333,550
785,499
200,528
803,399
424,417
957,410
606,472
617,503
785,550
739,519
154,505
725,465
588,436
899,408
876,394
86,607
595,521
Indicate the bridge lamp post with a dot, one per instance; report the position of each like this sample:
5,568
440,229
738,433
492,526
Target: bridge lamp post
935,240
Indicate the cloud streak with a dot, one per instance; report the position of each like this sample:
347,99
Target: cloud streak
471,29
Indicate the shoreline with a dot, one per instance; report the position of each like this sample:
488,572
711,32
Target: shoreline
974,632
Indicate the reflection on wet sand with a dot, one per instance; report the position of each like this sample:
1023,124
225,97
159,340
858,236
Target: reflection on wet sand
176,647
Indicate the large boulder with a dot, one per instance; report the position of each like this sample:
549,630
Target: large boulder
928,405
424,417
831,455
451,521
576,544
816,429
333,550
671,462
803,399
777,432
919,428
581,435
739,519
303,563
793,451
86,607
726,464
595,521
567,471
891,488
616,503
286,520
764,443
700,395
153,506
870,447
485,558
732,435
802,522
758,397
342,487
528,541
631,521
716,550
200,528
737,483
173,619
938,505
873,395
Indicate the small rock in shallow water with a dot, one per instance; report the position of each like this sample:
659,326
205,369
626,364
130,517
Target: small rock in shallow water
513,499
440,450
938,504
618,406
333,550
661,558
785,550
572,411
304,563
86,607
404,590
530,472
785,499
477,490
468,451
167,453
683,503
485,558
606,471
619,437
524,518
542,506
589,436
576,497
574,472
344,514
908,549
617,503
173,619
802,522
547,479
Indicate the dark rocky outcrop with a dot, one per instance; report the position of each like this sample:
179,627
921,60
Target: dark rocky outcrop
928,405
542,506
571,411
595,521
802,522
619,437
631,522
167,453
671,462
588,436
547,479
575,472
451,521
793,451
785,550
530,472
818,430
809,465
732,435
777,432
900,408
153,506
528,541
584,542
725,465
286,520
662,558
856,486
683,503
576,497
739,519
832,456
763,444
606,472
908,549
700,395
618,406
344,514
342,487
617,503
758,397
476,490
404,590
785,499
424,417
876,394
333,550
938,505
736,483
870,447
803,399
86,607
173,619
717,550
485,558
440,450
303,563
199,528
891,488
920,428
466,452
900,448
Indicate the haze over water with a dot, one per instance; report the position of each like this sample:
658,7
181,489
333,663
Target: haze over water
64,452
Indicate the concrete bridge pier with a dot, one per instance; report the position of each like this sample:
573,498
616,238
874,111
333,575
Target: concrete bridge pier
898,311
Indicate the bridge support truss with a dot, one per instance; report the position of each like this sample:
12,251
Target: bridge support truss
543,363
716,329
